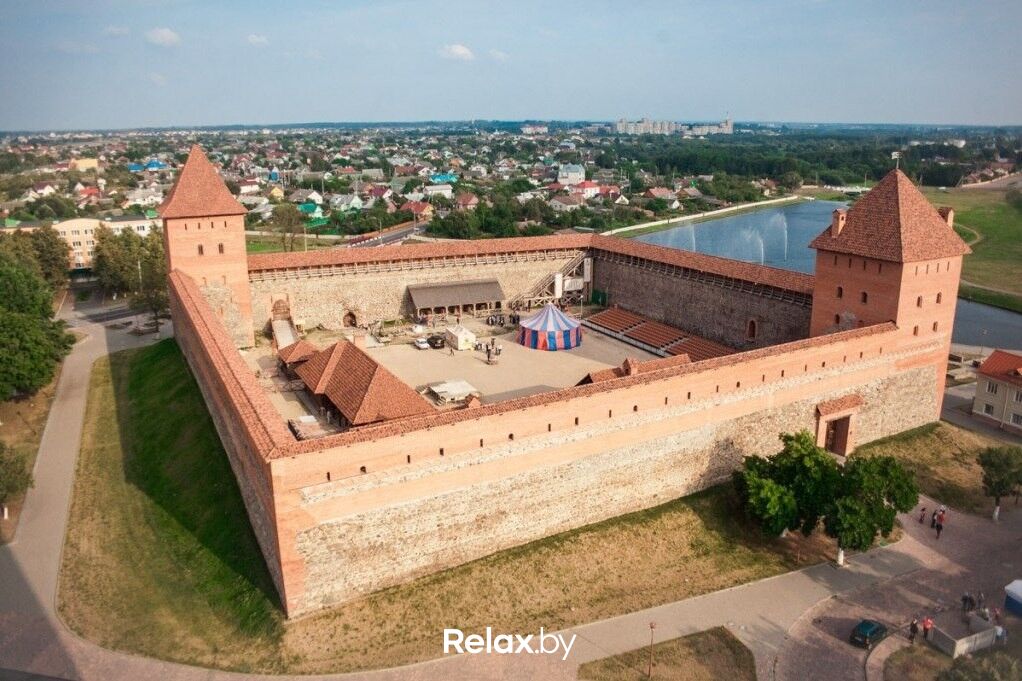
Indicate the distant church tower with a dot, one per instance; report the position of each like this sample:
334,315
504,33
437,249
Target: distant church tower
891,257
204,237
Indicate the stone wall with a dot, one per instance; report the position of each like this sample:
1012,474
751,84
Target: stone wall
380,292
382,529
704,305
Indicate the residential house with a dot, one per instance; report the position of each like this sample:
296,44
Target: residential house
346,202
586,189
998,398
565,204
422,211
305,196
248,186
466,201
571,173
444,190
374,174
275,193
310,210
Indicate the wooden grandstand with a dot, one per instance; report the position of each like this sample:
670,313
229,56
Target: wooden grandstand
656,337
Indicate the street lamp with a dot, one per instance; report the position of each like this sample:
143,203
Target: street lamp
652,627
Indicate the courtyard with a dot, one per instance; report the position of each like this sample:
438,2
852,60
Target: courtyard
517,372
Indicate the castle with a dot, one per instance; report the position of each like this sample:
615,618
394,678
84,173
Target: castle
852,354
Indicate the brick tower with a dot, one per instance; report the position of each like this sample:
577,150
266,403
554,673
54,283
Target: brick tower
204,237
891,257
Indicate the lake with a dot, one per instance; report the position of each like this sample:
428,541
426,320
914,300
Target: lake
779,236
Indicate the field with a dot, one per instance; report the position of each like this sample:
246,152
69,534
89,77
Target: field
178,574
943,458
705,656
923,663
998,252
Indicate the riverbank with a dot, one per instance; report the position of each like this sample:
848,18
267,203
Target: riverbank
658,225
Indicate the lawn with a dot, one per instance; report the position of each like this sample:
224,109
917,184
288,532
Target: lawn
943,458
21,427
704,656
269,244
996,257
160,559
924,663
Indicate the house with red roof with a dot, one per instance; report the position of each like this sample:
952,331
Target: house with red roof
586,189
998,398
422,210
466,201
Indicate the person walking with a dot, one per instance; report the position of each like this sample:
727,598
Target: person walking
922,514
913,629
940,528
933,519
927,627
980,599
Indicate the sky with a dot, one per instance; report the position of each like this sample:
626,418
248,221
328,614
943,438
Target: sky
135,63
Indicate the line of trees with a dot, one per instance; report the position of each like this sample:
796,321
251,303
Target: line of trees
802,487
127,263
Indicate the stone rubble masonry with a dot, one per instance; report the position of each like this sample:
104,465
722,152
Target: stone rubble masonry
380,291
377,505
713,307
481,503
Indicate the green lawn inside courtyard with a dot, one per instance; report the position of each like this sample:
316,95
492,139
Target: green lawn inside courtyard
160,559
272,244
704,656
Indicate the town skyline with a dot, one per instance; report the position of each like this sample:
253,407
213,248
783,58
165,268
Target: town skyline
122,66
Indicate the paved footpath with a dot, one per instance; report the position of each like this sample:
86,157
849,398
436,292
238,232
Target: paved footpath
793,623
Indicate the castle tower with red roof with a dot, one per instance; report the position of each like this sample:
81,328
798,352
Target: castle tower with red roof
204,237
891,257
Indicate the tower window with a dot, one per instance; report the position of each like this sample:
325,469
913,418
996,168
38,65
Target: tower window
750,330
864,297
915,330
935,327
840,292
201,252
919,301
220,247
940,297
837,319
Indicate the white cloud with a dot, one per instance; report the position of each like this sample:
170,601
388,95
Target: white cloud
257,40
457,51
499,55
162,36
157,79
116,30
72,47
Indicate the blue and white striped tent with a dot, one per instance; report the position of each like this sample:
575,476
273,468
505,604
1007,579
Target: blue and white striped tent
550,329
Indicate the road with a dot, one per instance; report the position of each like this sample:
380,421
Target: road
793,622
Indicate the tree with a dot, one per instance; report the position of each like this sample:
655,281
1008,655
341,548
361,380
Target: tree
51,253
151,293
22,290
288,221
18,248
15,477
1002,473
803,484
871,493
33,346
790,180
995,667
115,262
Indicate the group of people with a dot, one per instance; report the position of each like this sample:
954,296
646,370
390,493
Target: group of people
914,626
937,518
499,320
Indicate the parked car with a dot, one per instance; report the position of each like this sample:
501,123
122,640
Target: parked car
436,342
421,343
868,633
